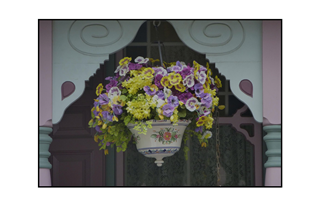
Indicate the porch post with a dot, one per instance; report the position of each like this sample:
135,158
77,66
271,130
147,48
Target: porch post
271,72
45,101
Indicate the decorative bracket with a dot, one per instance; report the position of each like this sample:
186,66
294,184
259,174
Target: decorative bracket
236,49
78,49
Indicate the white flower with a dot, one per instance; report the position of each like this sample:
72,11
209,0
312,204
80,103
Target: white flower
204,110
141,60
167,92
114,91
188,81
202,77
207,134
191,104
160,70
160,103
124,70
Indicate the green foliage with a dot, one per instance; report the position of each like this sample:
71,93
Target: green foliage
182,113
127,119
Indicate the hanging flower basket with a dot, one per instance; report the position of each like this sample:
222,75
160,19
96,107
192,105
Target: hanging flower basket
162,140
141,96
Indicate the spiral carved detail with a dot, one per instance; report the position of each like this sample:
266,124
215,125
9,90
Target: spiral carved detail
221,36
92,38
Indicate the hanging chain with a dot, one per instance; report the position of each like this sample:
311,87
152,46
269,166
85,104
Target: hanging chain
217,147
156,27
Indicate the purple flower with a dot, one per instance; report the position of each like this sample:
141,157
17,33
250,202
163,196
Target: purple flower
106,115
160,95
103,99
176,68
110,78
185,72
175,92
157,80
202,68
198,89
133,66
183,97
148,90
173,100
168,110
95,113
212,86
107,143
206,100
199,129
95,103
98,129
159,70
112,83
117,109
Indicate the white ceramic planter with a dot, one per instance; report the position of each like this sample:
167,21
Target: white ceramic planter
163,140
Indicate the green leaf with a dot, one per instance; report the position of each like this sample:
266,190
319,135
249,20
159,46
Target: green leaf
123,98
153,136
92,115
182,113
127,119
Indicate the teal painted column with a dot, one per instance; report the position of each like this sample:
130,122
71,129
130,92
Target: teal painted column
44,143
273,164
44,164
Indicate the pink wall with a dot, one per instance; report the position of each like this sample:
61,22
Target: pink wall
271,71
45,74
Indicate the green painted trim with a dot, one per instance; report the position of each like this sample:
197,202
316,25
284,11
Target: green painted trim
44,143
273,142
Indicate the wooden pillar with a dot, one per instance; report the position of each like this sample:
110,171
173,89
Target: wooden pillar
45,101
271,60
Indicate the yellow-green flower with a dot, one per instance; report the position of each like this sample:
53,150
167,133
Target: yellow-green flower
209,121
209,72
215,101
196,69
201,121
165,81
125,61
148,72
180,87
99,89
217,81
174,78
140,107
153,60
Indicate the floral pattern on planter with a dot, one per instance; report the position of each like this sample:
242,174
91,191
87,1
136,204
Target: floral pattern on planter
166,135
